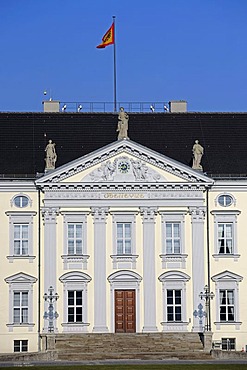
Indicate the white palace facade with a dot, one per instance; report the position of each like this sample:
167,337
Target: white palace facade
122,240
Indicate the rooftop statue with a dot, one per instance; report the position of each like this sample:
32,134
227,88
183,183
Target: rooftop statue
197,156
122,129
51,156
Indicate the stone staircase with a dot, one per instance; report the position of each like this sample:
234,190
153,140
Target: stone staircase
148,346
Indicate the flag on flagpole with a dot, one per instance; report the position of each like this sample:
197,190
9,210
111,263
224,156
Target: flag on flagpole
108,38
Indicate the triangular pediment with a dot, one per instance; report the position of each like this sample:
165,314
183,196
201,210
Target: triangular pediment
227,276
124,161
21,278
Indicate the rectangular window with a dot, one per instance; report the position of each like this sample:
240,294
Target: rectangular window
225,238
174,305
74,306
75,238
20,240
20,308
227,305
228,344
173,238
124,238
20,345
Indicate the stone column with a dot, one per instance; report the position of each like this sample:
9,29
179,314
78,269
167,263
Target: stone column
198,262
149,278
50,255
100,215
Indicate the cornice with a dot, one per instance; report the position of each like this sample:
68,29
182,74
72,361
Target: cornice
109,186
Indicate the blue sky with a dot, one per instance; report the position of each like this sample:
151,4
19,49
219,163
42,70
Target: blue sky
193,50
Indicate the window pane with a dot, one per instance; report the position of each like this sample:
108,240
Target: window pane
177,246
128,247
79,247
176,230
70,297
230,297
79,297
79,231
70,231
25,247
24,298
71,314
127,230
168,230
71,246
178,297
228,230
220,230
119,230
24,231
230,313
178,316
119,247
17,232
24,346
24,319
168,246
17,299
78,314
16,315
17,345
17,247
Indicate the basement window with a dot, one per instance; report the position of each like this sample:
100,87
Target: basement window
20,345
228,344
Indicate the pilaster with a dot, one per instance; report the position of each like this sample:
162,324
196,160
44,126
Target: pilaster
100,216
50,255
198,262
148,220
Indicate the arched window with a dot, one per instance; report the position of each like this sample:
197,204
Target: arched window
174,300
75,301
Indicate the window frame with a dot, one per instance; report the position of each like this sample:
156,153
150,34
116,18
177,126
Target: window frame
20,282
173,305
228,342
21,219
13,201
75,281
228,281
173,260
21,345
174,280
217,200
72,261
22,307
226,217
227,306
127,260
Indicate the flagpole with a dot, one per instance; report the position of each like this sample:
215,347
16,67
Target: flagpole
114,67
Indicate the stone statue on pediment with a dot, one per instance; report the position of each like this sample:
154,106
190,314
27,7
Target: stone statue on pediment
51,156
123,122
197,151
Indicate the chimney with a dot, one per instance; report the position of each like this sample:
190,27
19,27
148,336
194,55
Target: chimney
51,105
177,106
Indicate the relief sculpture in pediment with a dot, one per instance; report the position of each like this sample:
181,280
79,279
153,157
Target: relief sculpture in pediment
124,169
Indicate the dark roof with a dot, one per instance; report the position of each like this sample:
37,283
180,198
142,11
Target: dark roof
223,135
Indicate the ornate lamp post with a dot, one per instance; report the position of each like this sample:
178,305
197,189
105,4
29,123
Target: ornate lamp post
207,296
51,314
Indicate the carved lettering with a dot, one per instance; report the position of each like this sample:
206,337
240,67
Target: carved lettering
124,196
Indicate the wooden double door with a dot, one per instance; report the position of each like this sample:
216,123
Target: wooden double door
125,311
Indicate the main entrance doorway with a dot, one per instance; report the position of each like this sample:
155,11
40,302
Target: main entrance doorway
125,311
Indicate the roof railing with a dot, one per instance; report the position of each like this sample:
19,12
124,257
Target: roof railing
105,107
